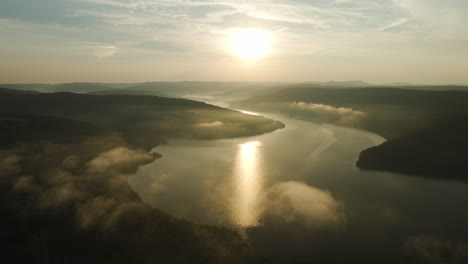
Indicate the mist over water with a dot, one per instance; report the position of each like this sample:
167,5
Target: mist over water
296,195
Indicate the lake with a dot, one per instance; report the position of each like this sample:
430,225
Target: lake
296,195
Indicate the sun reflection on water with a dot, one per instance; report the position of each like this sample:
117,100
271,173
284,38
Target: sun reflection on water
249,113
248,187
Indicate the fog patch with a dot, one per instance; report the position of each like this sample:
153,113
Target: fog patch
217,124
210,125
25,184
9,164
119,159
71,162
340,115
89,180
430,250
93,210
60,195
298,203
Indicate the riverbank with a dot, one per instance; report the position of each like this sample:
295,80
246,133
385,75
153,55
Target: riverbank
424,129
65,160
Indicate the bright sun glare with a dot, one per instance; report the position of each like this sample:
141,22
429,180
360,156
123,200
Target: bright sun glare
250,43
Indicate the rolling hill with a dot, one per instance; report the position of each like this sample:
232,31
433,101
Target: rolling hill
425,128
64,163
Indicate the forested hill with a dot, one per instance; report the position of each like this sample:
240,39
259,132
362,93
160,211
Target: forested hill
143,120
426,129
64,163
358,97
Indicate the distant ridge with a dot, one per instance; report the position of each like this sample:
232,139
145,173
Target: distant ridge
187,88
14,91
128,92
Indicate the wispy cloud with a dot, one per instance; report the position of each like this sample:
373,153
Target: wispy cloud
394,24
106,51
305,33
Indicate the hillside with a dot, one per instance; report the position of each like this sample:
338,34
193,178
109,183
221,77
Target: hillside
13,91
425,129
64,163
54,189
439,151
144,121
128,92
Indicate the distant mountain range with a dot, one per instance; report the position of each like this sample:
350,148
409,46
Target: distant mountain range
172,88
197,88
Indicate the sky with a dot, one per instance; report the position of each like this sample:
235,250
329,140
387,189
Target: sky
382,41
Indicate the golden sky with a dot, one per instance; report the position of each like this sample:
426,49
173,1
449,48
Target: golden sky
384,41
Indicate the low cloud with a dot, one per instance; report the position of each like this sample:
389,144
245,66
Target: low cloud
297,202
69,177
430,250
78,192
118,159
10,164
316,112
327,113
211,124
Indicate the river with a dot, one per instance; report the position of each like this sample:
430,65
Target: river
296,195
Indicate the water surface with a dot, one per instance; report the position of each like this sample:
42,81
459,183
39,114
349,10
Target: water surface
296,194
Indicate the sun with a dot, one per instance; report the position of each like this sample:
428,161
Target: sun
250,43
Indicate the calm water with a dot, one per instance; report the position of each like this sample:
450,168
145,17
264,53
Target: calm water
296,195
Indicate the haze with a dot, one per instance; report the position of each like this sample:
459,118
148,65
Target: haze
234,131
53,41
